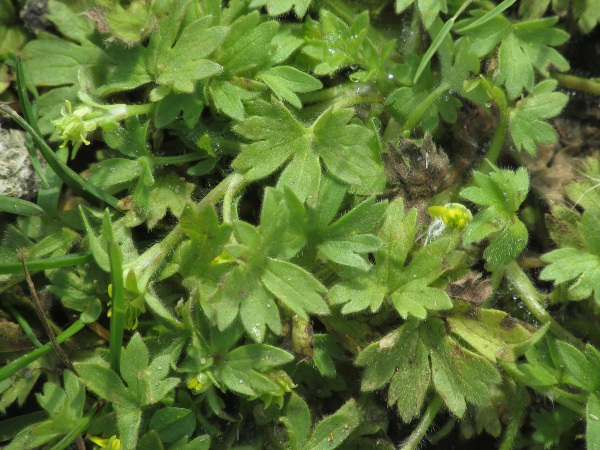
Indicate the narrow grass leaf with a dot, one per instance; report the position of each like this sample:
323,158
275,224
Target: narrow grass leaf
117,308
488,16
18,206
30,118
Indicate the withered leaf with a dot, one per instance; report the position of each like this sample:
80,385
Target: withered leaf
468,288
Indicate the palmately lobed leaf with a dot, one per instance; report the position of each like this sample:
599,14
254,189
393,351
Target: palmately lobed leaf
527,127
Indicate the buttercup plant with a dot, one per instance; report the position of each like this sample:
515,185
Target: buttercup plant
299,224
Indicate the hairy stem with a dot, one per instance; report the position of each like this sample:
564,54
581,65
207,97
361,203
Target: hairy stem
533,301
426,419
495,148
237,184
591,86
518,412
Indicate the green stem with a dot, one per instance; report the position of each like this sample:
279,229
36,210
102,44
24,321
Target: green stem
24,325
591,86
150,261
83,424
569,400
323,95
14,366
358,99
443,432
177,159
426,419
533,301
420,110
216,193
495,148
392,132
518,412
237,183
136,110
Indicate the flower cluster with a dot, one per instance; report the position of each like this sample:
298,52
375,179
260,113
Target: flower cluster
454,215
75,125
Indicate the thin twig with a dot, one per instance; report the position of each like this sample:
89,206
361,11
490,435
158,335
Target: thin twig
40,312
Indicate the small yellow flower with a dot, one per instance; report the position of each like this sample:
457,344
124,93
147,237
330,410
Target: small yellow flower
112,443
199,384
454,215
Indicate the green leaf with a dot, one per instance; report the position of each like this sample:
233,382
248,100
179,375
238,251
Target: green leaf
129,140
410,382
248,45
282,6
273,145
104,382
248,370
76,293
501,192
297,420
492,333
129,25
335,44
578,370
65,410
592,435
171,423
295,287
427,100
129,421
278,134
339,425
349,236
416,299
195,43
587,15
134,359
526,124
568,264
550,426
229,98
207,238
114,174
151,201
286,81
282,224
458,375
53,61
408,287
524,46
260,357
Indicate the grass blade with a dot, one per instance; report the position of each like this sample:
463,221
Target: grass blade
17,206
55,262
489,16
80,186
24,324
438,41
13,367
117,308
30,118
